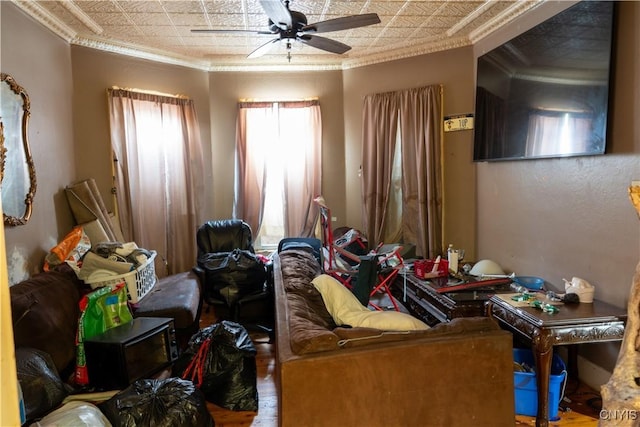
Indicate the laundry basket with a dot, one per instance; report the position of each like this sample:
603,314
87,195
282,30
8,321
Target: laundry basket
139,281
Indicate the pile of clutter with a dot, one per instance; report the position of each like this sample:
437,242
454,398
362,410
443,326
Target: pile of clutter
97,262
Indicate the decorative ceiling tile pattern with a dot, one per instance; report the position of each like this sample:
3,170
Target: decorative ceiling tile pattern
161,29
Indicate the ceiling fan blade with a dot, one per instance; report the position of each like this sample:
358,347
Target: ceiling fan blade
262,50
343,23
278,13
207,31
324,43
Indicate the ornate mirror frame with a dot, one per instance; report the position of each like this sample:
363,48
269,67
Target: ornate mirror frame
17,170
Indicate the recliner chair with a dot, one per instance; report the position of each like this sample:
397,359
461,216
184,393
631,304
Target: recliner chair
235,281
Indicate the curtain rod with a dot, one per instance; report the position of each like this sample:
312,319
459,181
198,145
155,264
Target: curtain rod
150,92
314,98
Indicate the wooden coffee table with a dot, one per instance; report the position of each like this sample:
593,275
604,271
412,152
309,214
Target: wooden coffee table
572,324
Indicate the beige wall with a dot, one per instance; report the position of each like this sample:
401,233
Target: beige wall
41,64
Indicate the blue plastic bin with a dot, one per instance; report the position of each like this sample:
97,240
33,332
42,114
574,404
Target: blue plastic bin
526,389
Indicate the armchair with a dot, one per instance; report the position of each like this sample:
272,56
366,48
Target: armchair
234,279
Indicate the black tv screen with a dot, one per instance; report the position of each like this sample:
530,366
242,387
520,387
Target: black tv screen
545,93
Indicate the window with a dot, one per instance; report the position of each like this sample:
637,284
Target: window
278,168
156,145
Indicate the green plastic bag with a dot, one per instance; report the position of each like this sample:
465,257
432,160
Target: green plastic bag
100,310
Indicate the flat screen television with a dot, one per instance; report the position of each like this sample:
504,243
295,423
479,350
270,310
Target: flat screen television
545,93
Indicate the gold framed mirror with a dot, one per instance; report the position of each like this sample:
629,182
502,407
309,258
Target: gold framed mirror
17,170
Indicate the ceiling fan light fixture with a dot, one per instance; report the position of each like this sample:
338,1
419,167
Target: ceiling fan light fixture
292,25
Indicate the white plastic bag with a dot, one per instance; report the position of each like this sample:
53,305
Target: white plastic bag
74,414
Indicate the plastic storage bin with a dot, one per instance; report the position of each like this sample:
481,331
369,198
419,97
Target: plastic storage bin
526,389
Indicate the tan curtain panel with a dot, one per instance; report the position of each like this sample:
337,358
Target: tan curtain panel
158,172
302,168
417,113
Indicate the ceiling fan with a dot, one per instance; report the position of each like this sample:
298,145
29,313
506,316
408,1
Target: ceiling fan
291,25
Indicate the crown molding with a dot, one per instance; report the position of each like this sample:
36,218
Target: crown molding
407,52
499,21
34,10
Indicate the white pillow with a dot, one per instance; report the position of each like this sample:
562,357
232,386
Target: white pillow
345,309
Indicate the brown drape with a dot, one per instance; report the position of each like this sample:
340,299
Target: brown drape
418,115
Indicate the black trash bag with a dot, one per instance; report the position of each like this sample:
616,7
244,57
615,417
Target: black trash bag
233,274
159,403
221,360
42,388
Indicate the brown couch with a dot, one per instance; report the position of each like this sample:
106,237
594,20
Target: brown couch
454,374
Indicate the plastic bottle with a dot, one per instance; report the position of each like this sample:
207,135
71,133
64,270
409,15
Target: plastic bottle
23,412
452,257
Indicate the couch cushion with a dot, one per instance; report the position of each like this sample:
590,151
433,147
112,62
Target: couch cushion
310,324
347,310
176,296
44,312
299,267
308,331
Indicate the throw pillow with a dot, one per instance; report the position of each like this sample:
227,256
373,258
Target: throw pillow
345,309
339,300
385,320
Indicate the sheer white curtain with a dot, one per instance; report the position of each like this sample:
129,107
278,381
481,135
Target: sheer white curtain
158,173
278,153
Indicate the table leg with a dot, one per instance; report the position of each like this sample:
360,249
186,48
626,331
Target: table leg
572,368
542,353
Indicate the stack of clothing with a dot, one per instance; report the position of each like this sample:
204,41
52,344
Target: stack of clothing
110,259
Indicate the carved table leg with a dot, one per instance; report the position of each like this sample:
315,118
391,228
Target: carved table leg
542,353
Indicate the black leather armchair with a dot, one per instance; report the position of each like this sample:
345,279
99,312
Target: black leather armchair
235,281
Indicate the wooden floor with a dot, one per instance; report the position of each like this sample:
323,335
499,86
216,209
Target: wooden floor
582,411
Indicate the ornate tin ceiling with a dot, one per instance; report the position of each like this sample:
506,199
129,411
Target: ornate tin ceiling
160,30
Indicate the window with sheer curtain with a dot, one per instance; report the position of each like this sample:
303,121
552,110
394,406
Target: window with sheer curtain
158,169
278,168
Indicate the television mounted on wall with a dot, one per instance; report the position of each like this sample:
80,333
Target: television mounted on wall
545,93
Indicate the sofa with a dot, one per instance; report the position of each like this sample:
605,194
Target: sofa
45,310
454,374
